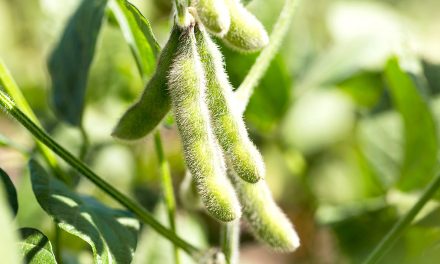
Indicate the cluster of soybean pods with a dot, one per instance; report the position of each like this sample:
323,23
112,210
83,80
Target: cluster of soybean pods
225,167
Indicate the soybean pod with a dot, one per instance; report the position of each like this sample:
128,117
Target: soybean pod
154,104
266,220
214,14
246,33
227,122
202,155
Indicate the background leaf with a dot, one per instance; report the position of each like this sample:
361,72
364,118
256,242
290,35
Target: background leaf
10,191
432,74
271,98
245,2
70,61
420,154
365,88
8,238
35,247
111,233
138,34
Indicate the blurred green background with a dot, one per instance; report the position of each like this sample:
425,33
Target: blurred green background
336,138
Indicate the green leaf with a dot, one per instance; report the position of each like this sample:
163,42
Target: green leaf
8,238
369,226
10,191
270,101
420,151
111,233
365,88
138,34
380,137
70,61
35,247
432,74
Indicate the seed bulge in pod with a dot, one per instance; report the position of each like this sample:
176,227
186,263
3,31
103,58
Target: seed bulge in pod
266,220
226,121
246,33
202,156
214,15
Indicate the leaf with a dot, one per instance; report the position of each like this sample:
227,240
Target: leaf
35,247
380,137
70,61
369,226
8,238
432,74
420,150
421,245
138,34
10,191
111,233
271,98
365,88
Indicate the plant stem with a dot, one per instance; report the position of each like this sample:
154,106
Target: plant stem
398,229
230,241
83,169
57,242
280,29
167,188
11,87
85,143
180,7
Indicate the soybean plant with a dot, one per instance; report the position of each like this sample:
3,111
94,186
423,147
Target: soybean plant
225,170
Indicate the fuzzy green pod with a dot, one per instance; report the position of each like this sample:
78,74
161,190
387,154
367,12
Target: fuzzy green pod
214,15
154,104
266,220
226,121
246,33
202,155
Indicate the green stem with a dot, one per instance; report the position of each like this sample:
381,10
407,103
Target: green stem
180,7
247,87
11,87
84,170
398,229
167,187
230,241
57,242
85,143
